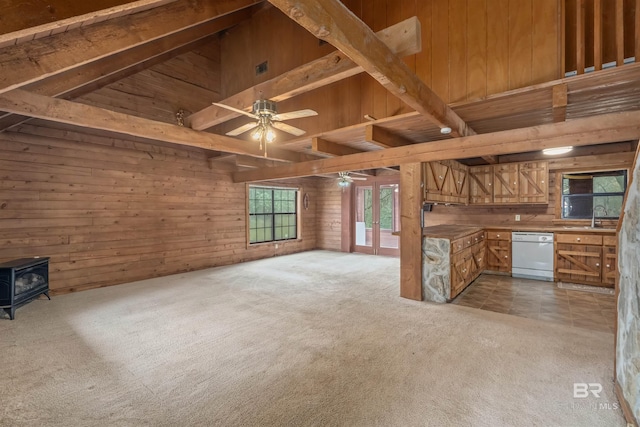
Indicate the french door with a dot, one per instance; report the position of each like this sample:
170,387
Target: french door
376,216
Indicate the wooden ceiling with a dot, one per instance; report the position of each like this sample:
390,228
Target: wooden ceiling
80,54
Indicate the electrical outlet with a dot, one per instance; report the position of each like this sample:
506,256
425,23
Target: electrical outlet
517,217
276,246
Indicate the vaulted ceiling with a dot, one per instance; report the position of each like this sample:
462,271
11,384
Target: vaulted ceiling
57,60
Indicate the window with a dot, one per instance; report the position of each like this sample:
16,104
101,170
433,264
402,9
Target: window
593,194
273,214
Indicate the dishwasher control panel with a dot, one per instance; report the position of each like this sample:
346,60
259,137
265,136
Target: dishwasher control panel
522,236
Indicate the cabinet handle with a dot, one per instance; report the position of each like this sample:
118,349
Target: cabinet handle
608,266
468,242
490,184
476,239
542,182
464,270
497,235
440,176
514,183
506,256
597,264
480,259
578,239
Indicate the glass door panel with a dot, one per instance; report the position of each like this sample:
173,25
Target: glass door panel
364,218
389,218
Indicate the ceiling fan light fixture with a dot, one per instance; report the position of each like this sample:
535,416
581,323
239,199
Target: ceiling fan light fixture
270,135
556,151
257,134
343,183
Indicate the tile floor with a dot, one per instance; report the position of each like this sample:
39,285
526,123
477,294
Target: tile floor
540,300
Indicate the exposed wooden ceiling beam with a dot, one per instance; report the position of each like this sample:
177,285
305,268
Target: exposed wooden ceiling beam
87,116
403,38
586,131
56,54
20,21
327,147
330,20
384,138
95,75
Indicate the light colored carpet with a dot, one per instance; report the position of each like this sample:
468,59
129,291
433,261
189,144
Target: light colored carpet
317,338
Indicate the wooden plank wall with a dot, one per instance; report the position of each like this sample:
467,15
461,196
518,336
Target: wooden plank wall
110,211
190,81
542,215
329,211
470,49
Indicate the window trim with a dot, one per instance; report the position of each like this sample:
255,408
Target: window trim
299,191
558,219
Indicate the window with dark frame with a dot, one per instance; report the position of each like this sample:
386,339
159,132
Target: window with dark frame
273,214
587,195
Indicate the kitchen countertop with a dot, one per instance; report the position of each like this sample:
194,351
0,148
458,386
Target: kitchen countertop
450,231
552,229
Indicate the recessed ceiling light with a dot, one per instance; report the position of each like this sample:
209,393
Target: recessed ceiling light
556,151
445,130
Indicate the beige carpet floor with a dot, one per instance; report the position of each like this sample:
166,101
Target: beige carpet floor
312,339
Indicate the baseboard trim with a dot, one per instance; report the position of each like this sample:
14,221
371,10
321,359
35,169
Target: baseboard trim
626,409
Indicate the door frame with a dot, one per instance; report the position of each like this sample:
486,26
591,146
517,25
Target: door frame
375,183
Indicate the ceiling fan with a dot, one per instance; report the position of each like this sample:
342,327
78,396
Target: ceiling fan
344,179
267,119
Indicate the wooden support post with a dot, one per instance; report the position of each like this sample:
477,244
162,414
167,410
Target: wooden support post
580,36
346,227
597,34
410,231
637,38
559,103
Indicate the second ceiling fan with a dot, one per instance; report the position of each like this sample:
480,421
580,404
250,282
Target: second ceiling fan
267,119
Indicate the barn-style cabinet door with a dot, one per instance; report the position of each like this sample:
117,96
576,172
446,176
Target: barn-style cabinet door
505,183
457,186
533,182
480,184
435,177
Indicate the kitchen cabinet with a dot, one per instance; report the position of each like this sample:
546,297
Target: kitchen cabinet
447,272
533,186
509,183
480,184
609,260
505,183
445,182
578,258
498,256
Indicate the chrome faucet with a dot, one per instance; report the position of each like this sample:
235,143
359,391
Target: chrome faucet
593,214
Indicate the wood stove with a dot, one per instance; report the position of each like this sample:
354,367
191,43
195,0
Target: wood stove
21,281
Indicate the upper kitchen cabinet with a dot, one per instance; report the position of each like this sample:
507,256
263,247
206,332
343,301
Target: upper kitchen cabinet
509,183
533,182
481,184
445,182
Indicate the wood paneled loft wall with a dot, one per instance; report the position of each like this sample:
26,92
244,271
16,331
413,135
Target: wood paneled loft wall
597,32
110,211
470,49
542,215
190,82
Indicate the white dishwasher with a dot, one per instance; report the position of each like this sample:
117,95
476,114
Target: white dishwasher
532,255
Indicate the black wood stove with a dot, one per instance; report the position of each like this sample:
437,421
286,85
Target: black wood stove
21,281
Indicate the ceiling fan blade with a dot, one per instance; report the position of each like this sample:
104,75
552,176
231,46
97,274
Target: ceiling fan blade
357,178
242,129
237,110
288,128
294,115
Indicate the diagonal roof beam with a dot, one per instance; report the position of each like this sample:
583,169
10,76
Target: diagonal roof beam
92,76
87,116
330,20
403,38
53,55
599,129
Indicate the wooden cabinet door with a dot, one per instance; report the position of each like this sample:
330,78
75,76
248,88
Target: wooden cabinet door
498,256
578,263
480,184
458,267
457,184
479,255
505,183
609,265
533,182
435,178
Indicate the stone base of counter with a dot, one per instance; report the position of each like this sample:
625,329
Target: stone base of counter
436,269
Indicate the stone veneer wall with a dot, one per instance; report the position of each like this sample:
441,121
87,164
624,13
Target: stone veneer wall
436,280
628,343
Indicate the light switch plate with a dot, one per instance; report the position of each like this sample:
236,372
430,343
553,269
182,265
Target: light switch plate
517,217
